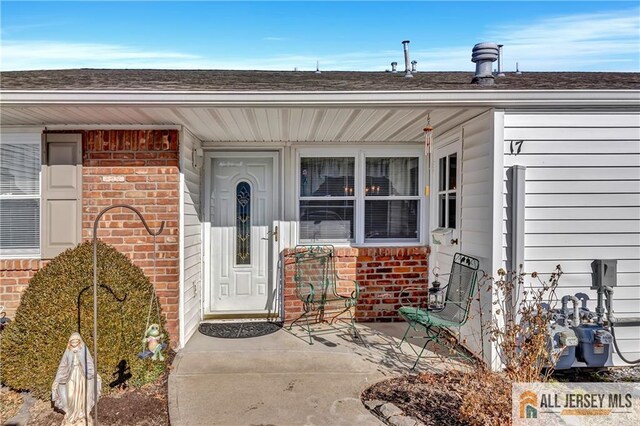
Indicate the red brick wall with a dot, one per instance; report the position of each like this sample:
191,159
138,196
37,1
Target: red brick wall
14,278
139,168
382,274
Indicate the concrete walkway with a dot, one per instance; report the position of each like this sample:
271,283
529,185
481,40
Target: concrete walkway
280,379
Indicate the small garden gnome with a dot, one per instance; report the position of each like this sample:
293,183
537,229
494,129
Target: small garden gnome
153,339
73,388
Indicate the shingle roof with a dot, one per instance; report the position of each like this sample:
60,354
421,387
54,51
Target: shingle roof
222,80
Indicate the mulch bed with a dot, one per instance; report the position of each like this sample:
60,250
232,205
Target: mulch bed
436,399
433,399
146,406
10,403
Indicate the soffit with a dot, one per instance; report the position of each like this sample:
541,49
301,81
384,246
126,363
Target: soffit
256,124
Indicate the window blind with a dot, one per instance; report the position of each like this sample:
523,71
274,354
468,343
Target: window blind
391,209
19,169
20,195
19,224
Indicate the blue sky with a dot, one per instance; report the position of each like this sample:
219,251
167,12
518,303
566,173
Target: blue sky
541,36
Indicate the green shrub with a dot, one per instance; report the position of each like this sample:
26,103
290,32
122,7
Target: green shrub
32,345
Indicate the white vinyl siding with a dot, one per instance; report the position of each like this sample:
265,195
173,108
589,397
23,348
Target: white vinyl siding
582,201
475,212
476,215
20,167
477,195
190,235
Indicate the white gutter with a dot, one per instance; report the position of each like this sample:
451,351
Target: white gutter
489,98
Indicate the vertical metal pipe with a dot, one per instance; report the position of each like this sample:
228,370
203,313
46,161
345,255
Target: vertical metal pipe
407,62
95,298
95,329
500,73
517,178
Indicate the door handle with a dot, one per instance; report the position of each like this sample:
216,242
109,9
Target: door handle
273,234
454,241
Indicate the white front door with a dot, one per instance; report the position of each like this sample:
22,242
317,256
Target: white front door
242,205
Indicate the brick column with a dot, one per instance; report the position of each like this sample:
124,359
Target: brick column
139,168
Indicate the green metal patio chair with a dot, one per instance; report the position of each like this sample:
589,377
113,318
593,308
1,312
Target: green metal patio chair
459,292
318,285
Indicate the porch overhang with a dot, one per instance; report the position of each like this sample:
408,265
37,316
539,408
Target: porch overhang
277,117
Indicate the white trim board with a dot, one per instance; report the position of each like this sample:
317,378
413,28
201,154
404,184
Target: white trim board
496,98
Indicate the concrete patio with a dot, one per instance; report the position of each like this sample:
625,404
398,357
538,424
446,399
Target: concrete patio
280,379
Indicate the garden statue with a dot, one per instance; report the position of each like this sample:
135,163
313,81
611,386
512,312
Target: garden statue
71,392
153,340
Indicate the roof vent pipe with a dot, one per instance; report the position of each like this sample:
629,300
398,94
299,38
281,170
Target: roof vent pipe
484,54
394,67
407,70
413,66
500,73
518,72
318,67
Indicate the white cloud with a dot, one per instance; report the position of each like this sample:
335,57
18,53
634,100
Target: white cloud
22,55
597,41
579,42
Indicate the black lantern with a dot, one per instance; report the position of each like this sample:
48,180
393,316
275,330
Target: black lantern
436,297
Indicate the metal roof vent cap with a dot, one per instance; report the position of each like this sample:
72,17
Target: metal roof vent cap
394,67
413,66
484,54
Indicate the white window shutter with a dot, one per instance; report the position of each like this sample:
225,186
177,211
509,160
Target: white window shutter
61,222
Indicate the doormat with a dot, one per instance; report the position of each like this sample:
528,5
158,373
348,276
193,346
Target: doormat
239,330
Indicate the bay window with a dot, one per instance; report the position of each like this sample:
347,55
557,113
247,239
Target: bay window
359,198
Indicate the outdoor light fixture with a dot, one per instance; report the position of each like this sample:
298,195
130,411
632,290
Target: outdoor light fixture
436,297
196,156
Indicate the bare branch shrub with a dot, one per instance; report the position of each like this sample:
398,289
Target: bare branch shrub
521,324
519,328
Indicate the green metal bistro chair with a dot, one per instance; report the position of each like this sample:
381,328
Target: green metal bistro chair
318,285
454,314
